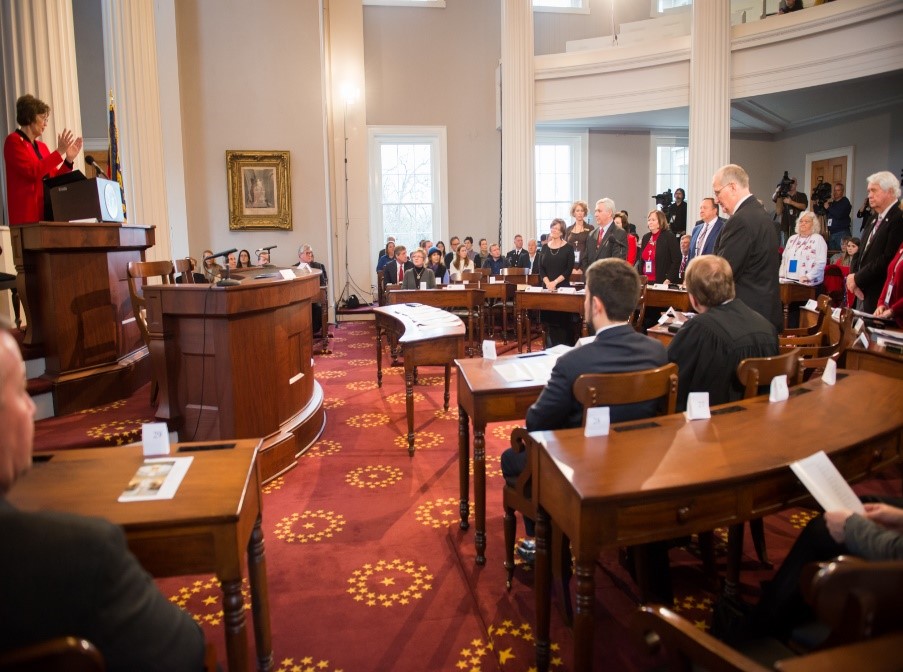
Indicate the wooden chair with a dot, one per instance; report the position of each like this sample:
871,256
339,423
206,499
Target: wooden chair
187,275
639,314
380,289
813,359
824,306
9,283
755,373
145,270
478,275
835,283
63,654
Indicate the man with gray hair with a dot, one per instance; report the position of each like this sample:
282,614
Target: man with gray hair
749,242
881,238
608,240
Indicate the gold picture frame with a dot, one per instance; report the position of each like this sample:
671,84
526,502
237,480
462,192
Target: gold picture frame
259,190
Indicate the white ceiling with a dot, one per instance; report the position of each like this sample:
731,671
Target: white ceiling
772,113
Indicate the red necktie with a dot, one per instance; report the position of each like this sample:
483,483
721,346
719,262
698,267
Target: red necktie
400,272
599,241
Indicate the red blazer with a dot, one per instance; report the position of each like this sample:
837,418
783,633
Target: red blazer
895,276
24,177
631,249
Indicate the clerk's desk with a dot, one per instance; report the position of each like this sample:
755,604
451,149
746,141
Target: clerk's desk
664,478
213,520
546,299
236,362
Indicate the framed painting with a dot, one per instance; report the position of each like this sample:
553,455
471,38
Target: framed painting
259,190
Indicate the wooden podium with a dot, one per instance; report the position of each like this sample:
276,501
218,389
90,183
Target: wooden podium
235,363
72,281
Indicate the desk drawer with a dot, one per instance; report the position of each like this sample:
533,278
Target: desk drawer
675,516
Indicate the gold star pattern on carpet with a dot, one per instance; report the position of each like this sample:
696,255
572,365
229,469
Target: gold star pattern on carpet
273,486
329,404
365,420
362,385
695,608
431,380
360,346
799,519
118,432
512,645
328,375
440,513
503,432
103,409
305,664
401,398
422,440
203,600
372,584
309,526
450,414
322,448
361,362
493,465
374,476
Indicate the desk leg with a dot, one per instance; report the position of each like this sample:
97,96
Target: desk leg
464,466
518,325
543,589
260,599
734,558
379,357
447,380
584,621
409,401
234,617
479,489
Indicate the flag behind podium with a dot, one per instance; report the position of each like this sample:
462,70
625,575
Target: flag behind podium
115,165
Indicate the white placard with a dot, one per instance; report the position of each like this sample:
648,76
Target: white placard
288,274
422,284
155,438
779,390
534,289
489,349
829,376
494,280
567,290
598,420
812,304
455,286
698,406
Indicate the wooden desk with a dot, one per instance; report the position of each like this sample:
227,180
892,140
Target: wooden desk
471,299
427,335
678,477
73,287
207,527
236,362
544,300
793,292
875,358
667,298
484,397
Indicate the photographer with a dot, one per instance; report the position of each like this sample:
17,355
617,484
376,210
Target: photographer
838,209
677,213
789,203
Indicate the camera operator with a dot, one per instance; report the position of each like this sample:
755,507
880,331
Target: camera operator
789,204
677,213
838,209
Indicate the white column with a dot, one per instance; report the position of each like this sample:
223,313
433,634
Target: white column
130,55
518,120
710,101
38,54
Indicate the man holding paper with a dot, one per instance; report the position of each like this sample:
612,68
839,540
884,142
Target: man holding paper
75,575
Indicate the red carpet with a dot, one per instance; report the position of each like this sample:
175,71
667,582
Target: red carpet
368,569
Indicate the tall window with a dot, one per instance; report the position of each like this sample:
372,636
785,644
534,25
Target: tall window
561,170
662,5
581,6
671,160
408,197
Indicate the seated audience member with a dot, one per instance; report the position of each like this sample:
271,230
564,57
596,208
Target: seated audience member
231,261
876,535
496,262
533,256
612,292
621,221
460,265
306,260
518,257
212,269
708,348
244,259
441,247
434,263
843,257
385,251
418,273
806,247
468,242
890,303
453,243
393,272
263,257
387,256
73,575
480,258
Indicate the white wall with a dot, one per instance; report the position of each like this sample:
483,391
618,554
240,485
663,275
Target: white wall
620,169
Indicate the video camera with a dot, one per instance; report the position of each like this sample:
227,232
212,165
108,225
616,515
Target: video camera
821,192
783,187
664,200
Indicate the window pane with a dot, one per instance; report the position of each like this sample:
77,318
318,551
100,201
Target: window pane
408,199
671,167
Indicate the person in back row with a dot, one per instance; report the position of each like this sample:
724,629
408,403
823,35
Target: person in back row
419,274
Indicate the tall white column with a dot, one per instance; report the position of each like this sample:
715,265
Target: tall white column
710,98
518,120
38,47
130,56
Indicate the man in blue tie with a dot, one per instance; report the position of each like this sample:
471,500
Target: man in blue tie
706,230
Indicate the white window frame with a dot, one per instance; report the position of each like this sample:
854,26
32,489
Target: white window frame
582,8
654,5
434,135
579,144
665,141
406,3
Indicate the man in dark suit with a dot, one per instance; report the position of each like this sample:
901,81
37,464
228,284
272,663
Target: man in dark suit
607,240
706,230
881,239
391,274
306,260
72,575
749,243
518,257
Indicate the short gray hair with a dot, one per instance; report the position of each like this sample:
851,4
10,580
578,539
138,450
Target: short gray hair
886,180
733,173
808,214
608,204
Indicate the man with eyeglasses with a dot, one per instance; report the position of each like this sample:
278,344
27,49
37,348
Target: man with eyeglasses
749,243
306,261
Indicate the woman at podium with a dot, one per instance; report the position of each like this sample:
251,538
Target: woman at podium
28,160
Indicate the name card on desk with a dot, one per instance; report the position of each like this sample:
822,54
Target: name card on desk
779,390
489,349
811,304
534,289
829,376
455,286
698,406
567,290
155,438
423,285
598,420
288,274
494,280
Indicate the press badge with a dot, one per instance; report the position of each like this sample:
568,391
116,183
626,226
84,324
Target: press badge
648,267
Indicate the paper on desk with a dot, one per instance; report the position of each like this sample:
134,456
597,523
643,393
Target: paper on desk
535,369
826,484
156,478
829,376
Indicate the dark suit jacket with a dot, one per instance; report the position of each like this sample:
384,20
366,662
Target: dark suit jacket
517,259
711,237
667,256
614,350
614,244
72,575
749,242
871,262
317,266
390,272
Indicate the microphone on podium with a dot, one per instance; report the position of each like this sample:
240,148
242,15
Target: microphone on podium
98,171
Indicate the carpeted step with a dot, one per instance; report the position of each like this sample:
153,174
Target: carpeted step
36,386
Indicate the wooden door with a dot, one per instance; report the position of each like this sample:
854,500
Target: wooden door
831,170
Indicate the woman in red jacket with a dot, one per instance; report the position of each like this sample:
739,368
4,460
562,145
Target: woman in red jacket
890,303
28,160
